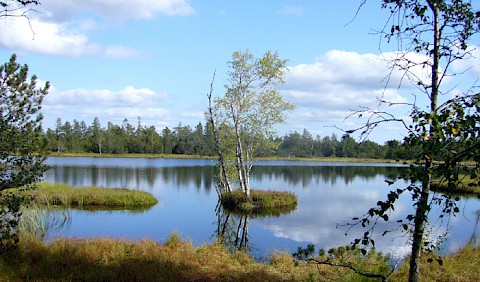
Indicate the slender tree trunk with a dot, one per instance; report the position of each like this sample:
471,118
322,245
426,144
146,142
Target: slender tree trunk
419,221
422,205
223,171
240,166
242,175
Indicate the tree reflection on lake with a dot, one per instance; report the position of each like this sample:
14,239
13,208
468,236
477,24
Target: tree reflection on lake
328,194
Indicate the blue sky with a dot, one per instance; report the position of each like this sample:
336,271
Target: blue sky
155,59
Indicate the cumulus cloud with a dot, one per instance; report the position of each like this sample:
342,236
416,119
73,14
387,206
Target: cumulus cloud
44,37
328,90
341,81
108,105
60,27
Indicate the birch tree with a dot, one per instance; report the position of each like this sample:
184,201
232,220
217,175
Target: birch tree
246,115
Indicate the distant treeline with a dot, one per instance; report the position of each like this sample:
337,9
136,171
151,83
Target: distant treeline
78,137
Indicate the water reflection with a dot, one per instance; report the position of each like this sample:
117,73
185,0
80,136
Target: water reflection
140,175
232,230
328,195
144,178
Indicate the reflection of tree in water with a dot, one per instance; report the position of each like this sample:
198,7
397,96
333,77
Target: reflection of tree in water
322,174
232,230
133,177
202,177
232,225
473,239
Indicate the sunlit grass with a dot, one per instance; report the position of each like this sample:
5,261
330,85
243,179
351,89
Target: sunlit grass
58,194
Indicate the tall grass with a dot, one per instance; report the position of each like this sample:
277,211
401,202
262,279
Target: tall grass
49,194
37,221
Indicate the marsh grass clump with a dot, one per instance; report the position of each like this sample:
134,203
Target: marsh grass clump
49,194
260,202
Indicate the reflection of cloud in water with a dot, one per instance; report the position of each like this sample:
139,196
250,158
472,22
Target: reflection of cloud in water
324,210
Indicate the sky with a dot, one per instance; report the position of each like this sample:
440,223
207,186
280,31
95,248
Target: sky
155,59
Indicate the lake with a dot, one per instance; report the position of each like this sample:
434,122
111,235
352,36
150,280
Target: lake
329,196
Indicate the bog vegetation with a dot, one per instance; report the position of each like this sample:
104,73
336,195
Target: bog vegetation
104,259
62,195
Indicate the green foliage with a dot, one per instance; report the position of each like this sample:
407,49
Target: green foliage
21,149
9,219
77,137
22,152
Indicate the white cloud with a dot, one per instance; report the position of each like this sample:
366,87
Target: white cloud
102,97
60,26
43,37
61,10
107,105
339,82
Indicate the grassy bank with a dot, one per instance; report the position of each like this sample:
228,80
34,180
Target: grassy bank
49,194
104,259
260,202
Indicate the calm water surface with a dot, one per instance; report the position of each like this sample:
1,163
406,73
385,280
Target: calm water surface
329,195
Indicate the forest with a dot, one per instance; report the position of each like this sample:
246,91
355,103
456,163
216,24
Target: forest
78,137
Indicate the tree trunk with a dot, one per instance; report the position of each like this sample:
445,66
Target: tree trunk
241,169
223,171
422,204
419,221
